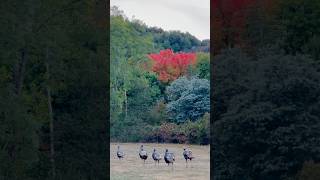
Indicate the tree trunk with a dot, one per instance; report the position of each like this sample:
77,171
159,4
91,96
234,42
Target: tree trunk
52,159
126,103
19,72
18,84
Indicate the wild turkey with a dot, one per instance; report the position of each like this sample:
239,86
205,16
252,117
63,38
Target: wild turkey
187,154
143,154
169,157
156,156
120,153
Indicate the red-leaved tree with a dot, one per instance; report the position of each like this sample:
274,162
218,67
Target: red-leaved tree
230,20
169,65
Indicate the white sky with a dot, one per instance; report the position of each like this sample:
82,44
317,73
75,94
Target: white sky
191,16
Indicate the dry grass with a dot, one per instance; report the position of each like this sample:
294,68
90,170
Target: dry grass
132,167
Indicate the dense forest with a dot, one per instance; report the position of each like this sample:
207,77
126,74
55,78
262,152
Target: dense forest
53,90
266,89
160,88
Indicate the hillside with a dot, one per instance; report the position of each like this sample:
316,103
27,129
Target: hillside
141,106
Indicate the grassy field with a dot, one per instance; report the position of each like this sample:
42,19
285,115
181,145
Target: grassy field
132,167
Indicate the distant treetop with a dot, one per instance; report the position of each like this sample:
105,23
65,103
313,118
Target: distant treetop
169,65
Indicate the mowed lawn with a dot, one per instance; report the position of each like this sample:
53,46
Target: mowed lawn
132,167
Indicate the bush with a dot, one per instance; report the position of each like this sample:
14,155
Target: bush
189,132
170,133
198,132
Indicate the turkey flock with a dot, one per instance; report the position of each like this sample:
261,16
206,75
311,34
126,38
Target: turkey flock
168,157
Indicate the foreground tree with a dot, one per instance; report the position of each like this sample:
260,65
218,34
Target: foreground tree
66,94
266,117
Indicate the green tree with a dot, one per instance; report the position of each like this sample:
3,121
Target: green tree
202,69
176,40
188,99
133,89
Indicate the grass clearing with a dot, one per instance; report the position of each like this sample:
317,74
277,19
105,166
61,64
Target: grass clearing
132,167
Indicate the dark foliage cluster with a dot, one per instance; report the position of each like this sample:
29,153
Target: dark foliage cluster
266,95
266,114
53,90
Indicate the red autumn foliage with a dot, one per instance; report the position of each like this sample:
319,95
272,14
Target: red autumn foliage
169,65
229,21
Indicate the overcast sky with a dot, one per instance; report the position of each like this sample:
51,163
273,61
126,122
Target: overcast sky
191,16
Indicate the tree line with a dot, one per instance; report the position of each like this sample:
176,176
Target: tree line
157,93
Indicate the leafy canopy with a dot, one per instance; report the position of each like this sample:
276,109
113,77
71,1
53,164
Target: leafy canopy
170,66
189,99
